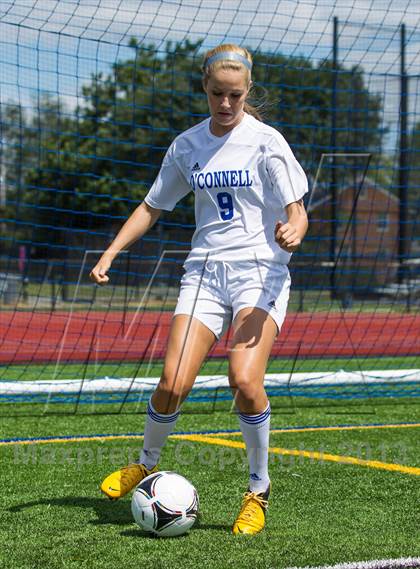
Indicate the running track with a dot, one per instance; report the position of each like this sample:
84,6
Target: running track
50,336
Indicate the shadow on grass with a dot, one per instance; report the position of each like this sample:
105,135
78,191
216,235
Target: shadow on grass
115,513
137,532
224,527
107,512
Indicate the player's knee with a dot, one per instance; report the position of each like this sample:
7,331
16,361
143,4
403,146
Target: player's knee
245,384
172,390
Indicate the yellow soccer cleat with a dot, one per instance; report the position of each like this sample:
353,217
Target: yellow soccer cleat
122,481
251,518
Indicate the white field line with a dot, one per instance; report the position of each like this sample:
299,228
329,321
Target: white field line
403,563
118,385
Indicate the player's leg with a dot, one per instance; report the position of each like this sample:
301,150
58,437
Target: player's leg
254,334
188,345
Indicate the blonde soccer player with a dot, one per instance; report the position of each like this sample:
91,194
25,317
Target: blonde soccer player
250,217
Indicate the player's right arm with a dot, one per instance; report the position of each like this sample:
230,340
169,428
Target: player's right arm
139,222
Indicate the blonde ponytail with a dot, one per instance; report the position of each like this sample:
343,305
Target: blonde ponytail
253,111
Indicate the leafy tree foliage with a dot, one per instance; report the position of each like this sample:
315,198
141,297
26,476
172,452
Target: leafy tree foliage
414,163
87,167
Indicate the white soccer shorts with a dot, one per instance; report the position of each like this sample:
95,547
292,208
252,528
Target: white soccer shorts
215,291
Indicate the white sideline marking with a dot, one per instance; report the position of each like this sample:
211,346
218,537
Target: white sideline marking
403,563
121,385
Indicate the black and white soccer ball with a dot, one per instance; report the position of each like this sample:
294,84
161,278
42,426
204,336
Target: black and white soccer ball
165,503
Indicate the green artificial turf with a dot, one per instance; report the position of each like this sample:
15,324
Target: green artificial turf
52,514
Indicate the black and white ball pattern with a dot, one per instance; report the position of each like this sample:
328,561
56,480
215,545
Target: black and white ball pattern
165,503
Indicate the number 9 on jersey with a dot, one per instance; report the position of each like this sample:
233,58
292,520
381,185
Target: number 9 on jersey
225,202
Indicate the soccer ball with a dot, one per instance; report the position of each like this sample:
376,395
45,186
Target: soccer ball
165,504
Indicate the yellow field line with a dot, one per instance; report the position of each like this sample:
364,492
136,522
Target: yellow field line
308,454
72,439
217,440
334,428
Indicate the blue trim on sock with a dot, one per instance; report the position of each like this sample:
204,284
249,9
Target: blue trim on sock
158,417
255,419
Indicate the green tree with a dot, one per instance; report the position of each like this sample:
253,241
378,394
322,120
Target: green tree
414,163
414,189
89,167
299,103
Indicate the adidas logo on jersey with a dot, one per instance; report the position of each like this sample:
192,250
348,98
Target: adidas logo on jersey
196,167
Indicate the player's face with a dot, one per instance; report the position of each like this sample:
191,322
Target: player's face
226,91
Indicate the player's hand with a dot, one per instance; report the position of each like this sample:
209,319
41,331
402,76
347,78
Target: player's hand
287,236
99,272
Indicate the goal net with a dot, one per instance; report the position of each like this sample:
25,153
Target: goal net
92,93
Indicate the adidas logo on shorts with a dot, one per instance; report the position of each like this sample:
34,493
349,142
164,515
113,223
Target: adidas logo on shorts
196,167
272,303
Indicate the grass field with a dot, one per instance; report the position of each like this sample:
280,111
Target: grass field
322,511
211,366
47,295
284,396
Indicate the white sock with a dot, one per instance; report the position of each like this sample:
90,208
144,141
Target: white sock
157,428
256,430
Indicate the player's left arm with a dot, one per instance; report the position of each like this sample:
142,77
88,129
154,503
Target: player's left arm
290,235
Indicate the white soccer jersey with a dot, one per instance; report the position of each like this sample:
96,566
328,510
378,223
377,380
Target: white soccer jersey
242,182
